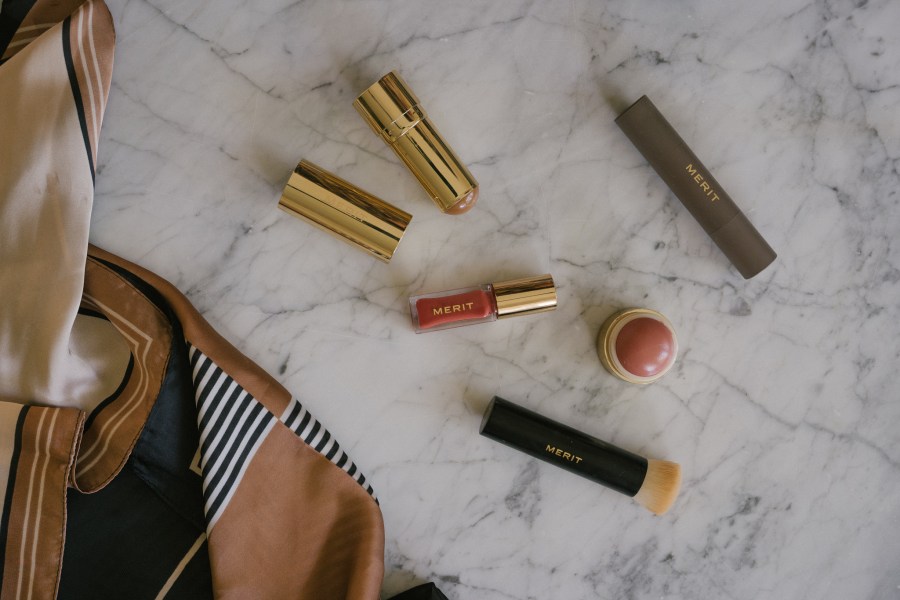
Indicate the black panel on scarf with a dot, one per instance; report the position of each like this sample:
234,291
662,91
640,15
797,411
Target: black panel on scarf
11,17
126,540
426,591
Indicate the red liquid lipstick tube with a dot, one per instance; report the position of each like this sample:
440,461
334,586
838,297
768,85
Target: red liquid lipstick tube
483,303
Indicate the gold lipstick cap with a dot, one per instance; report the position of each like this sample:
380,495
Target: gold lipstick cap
344,210
393,112
525,296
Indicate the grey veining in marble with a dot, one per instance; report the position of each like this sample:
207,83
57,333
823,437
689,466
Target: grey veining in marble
784,406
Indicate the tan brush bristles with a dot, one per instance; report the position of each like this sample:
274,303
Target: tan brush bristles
660,487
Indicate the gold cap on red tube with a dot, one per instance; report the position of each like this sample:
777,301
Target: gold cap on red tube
525,296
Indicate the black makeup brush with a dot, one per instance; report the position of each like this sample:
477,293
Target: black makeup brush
653,483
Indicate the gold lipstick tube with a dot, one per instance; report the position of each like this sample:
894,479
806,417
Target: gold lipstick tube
344,210
393,112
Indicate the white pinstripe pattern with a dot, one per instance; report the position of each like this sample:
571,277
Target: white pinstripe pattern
34,27
37,439
35,535
18,43
40,503
84,69
96,66
140,345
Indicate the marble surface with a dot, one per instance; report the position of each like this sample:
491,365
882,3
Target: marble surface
784,406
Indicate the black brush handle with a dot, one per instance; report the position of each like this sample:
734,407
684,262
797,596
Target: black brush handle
563,446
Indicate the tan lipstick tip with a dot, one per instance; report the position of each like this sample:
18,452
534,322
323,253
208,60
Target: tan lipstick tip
465,204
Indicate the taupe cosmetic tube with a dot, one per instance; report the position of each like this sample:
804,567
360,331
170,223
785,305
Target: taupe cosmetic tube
695,186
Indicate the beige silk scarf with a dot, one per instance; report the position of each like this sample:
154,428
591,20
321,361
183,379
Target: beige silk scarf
125,419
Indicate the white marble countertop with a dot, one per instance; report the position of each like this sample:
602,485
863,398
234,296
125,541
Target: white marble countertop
784,406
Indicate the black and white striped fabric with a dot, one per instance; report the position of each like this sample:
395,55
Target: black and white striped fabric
301,422
233,425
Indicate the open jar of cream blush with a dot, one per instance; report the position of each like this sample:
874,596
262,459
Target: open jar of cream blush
637,345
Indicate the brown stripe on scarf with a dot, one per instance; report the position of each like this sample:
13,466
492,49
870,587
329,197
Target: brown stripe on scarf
92,39
315,536
116,425
257,382
37,524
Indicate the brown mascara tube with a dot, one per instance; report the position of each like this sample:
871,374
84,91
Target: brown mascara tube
695,186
